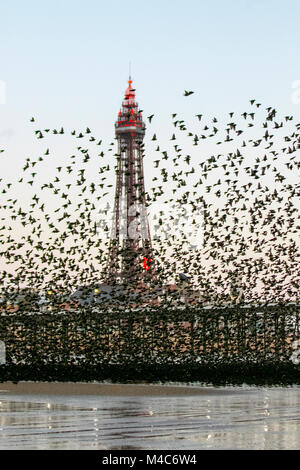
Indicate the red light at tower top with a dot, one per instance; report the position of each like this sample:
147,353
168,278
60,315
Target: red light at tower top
129,115
145,263
129,91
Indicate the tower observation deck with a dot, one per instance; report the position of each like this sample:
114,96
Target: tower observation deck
130,249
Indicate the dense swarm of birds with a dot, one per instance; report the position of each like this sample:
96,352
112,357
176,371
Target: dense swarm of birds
246,193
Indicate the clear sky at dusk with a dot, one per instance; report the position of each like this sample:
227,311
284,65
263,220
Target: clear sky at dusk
67,61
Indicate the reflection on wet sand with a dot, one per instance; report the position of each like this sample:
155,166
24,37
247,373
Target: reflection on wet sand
254,418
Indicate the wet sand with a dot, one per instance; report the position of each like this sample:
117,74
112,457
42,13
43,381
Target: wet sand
258,418
104,389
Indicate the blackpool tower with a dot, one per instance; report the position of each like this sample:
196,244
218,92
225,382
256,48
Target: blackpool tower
130,250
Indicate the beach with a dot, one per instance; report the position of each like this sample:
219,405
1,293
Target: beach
106,389
171,416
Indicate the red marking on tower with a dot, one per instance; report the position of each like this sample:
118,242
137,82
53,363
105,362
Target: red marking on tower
145,263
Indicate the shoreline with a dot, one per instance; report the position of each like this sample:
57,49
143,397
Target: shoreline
106,389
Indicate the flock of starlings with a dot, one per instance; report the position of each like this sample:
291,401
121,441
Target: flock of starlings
244,197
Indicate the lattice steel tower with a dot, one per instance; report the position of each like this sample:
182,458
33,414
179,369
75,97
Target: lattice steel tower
130,249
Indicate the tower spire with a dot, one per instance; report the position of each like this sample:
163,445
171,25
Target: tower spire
130,243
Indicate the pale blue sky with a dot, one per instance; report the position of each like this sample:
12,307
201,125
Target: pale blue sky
68,60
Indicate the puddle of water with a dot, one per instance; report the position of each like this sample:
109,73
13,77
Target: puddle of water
254,418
